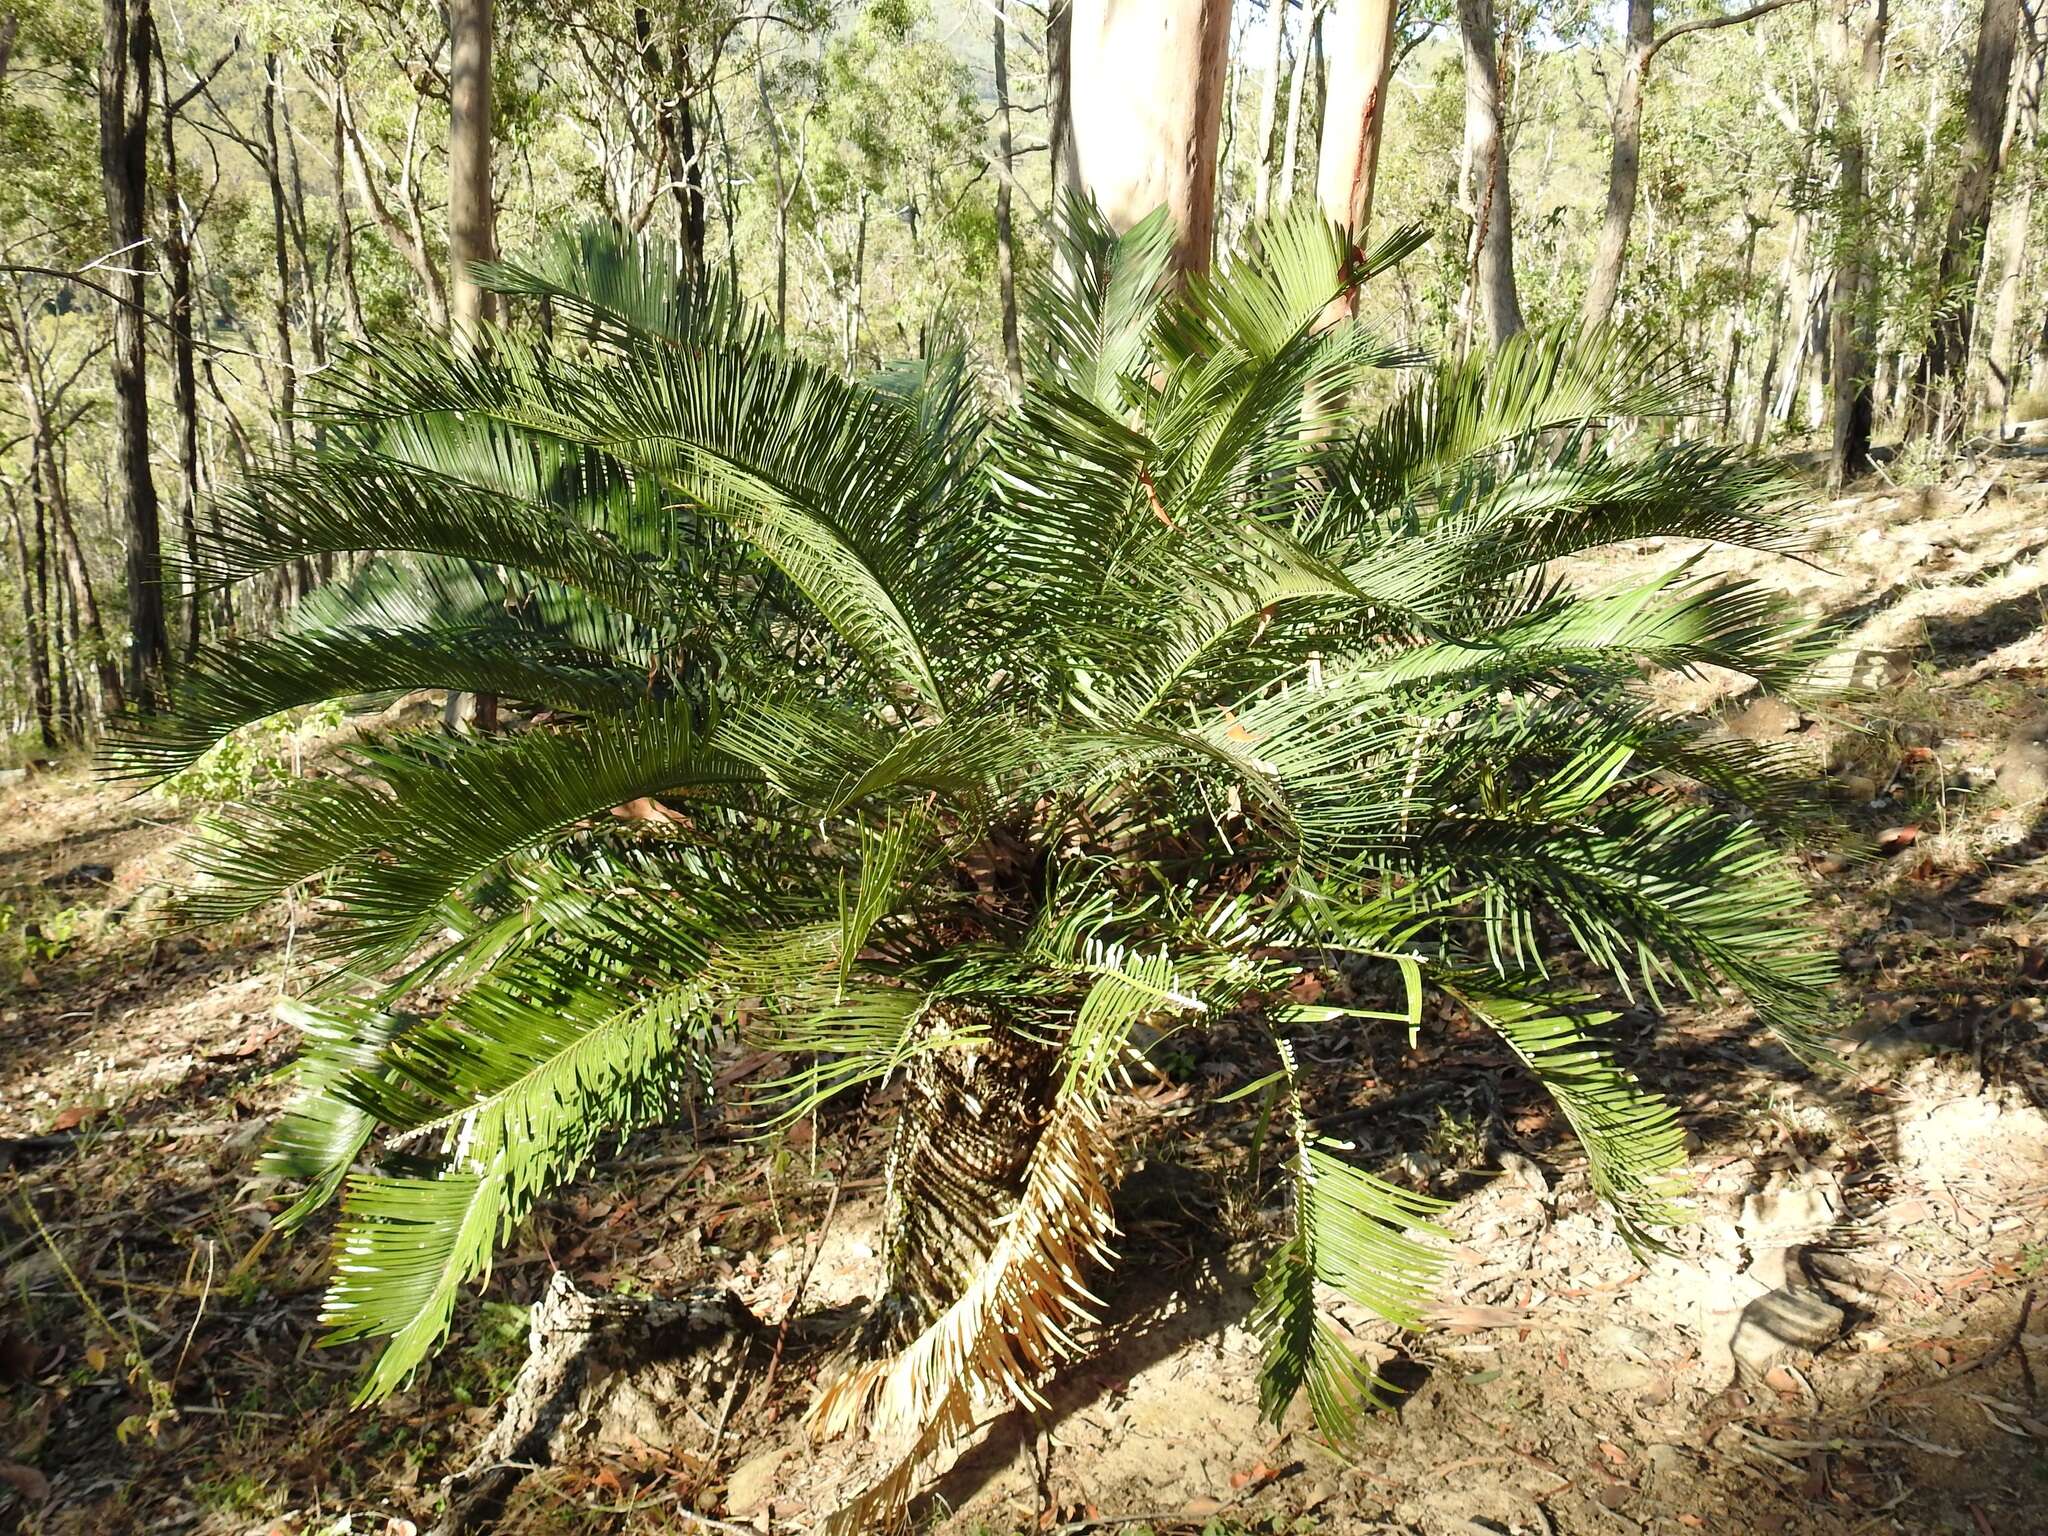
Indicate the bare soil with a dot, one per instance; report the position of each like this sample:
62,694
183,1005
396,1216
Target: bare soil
1842,1342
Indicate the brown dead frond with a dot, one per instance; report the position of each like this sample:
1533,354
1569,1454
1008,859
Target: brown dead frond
1018,1318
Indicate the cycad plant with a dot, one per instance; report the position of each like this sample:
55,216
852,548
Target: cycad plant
940,748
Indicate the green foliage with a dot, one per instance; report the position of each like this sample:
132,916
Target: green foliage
851,720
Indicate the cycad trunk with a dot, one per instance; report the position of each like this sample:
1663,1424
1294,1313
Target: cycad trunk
1492,257
970,1119
1147,106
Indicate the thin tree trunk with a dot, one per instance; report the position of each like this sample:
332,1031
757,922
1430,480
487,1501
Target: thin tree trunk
1059,99
1006,256
1737,313
344,227
32,616
783,193
1265,150
184,377
1297,89
1939,407
1361,48
281,310
124,167
1853,332
1148,101
1624,166
412,250
1493,218
2001,357
470,215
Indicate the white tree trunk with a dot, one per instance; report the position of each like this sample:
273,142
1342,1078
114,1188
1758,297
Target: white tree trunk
470,220
1147,105
1361,53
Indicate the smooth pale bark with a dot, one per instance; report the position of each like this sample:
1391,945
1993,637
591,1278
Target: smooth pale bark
126,28
1360,45
1006,255
1853,328
1267,149
1492,252
2001,357
470,220
1148,102
1939,408
1297,88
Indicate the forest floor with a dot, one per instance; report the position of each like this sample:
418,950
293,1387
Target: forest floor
1841,1343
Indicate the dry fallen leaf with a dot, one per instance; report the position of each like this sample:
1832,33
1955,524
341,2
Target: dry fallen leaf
26,1481
1896,839
71,1118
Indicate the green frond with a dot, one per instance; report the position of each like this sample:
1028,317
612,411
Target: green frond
406,1249
232,688
619,290
321,1133
1634,1145
1352,1234
442,811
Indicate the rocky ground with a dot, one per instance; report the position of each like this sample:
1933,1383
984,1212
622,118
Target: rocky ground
1843,1342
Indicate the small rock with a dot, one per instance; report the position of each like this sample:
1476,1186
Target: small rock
754,1481
1917,733
1793,1314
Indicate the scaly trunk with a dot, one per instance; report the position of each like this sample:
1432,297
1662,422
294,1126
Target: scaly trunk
124,168
1493,217
970,1118
470,218
1147,104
